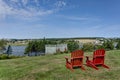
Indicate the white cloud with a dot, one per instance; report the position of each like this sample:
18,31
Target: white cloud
76,18
4,9
24,2
14,0
60,4
23,8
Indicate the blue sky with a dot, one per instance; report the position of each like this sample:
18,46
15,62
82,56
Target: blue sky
59,18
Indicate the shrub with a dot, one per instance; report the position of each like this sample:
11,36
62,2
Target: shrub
100,47
72,45
3,44
108,45
13,57
118,45
35,46
88,47
4,56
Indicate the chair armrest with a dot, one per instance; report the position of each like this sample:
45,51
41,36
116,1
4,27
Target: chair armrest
66,59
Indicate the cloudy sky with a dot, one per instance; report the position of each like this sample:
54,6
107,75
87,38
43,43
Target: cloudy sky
59,18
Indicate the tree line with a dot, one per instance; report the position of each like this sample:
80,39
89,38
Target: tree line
39,45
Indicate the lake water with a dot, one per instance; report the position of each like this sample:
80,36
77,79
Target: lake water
20,50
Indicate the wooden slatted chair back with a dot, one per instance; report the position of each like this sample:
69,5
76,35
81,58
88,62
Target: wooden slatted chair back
77,58
98,57
77,53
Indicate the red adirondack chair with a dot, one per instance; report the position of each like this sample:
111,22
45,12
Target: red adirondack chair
76,60
98,59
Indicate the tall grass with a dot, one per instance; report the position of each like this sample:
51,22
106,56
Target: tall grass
52,67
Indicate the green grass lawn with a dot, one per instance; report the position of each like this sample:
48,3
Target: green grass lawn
52,67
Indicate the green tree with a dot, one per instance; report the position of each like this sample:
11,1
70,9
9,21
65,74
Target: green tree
73,45
35,46
108,45
88,47
100,47
118,45
2,44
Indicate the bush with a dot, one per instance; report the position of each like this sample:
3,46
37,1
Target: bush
13,57
3,44
4,56
72,45
118,45
100,47
35,46
108,45
88,47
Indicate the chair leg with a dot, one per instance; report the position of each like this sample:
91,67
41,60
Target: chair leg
82,68
91,65
69,67
105,66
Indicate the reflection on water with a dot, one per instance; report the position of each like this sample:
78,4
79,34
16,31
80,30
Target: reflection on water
20,50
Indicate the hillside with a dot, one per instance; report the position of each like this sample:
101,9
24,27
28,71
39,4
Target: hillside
52,67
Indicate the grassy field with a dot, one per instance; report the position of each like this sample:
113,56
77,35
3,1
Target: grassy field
52,67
